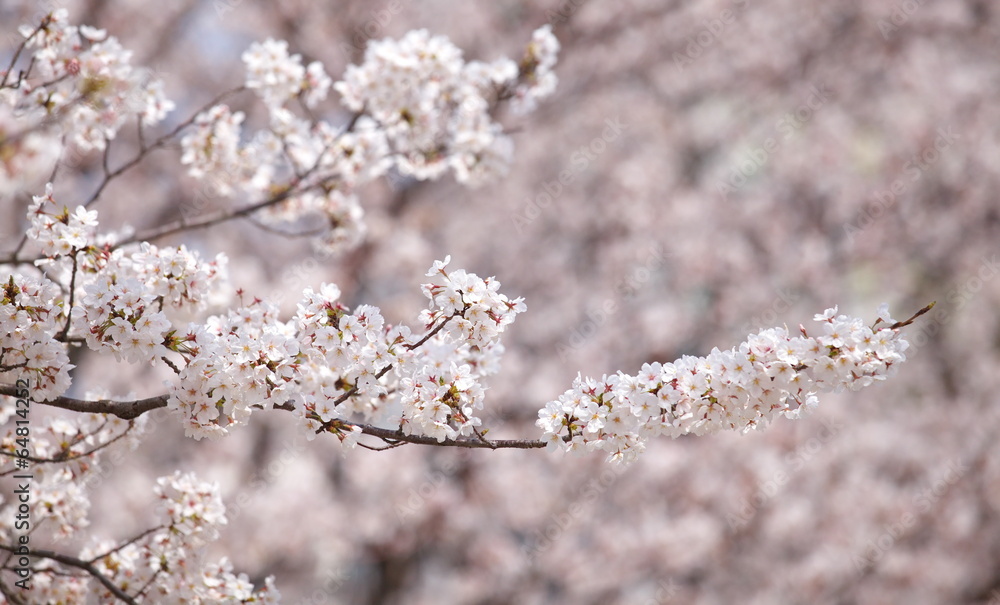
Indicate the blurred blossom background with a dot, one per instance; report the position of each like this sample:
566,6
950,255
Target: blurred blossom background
704,169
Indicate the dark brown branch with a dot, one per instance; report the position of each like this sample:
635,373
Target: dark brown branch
72,292
132,409
395,436
84,565
902,324
127,410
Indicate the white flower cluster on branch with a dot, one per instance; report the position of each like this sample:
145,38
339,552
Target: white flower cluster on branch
355,365
30,347
164,564
417,108
278,77
773,372
87,81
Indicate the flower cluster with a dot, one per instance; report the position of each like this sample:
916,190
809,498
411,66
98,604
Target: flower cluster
89,80
323,166
433,106
30,313
178,278
354,365
344,352
59,231
27,151
330,203
439,387
420,108
190,507
212,150
75,442
537,79
169,565
119,315
441,403
478,312
277,77
241,359
773,372
127,299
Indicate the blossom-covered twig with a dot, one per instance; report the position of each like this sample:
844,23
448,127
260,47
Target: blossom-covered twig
86,566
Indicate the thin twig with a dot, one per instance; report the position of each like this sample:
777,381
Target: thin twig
46,20
126,543
397,435
63,458
72,292
160,142
903,324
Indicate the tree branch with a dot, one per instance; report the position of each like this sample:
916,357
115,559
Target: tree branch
110,175
74,562
132,409
127,410
394,436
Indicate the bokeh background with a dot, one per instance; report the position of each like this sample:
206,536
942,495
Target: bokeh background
774,158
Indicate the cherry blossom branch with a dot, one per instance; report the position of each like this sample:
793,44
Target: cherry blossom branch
79,564
144,149
227,215
20,48
220,217
326,426
906,322
65,455
397,436
128,542
51,120
132,409
72,292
